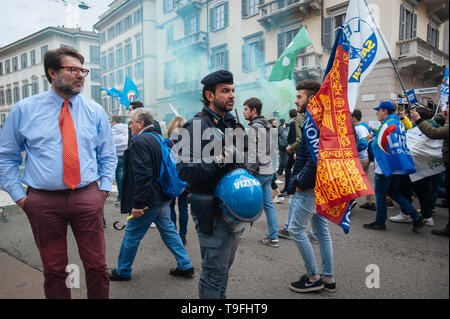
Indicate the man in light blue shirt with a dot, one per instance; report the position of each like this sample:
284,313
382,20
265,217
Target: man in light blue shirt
33,125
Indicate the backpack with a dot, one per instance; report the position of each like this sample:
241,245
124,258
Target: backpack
283,139
171,184
370,151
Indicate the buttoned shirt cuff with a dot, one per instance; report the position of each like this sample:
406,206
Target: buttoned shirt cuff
105,184
17,193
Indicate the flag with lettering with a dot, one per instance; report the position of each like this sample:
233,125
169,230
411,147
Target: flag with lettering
284,66
129,92
367,46
329,135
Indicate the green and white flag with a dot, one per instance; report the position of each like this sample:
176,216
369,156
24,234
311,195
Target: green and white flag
284,67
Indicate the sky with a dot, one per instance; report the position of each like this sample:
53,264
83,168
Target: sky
20,18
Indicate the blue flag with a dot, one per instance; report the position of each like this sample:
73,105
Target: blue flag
390,149
115,93
129,93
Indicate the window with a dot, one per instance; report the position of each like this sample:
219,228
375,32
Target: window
128,52
43,50
95,75
137,16
219,17
102,37
23,60
250,7
138,46
138,70
119,77
16,93
433,35
127,22
119,56
94,53
96,94
104,81
45,83
408,23
1,68
118,27
7,67
129,72
219,58
103,64
25,90
285,3
111,60
252,53
2,96
34,86
330,28
170,75
284,39
8,96
168,6
110,33
15,63
33,57
191,25
111,79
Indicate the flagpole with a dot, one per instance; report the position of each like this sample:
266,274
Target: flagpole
389,54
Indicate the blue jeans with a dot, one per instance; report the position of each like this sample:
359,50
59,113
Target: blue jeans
182,211
304,209
119,175
390,185
269,209
135,231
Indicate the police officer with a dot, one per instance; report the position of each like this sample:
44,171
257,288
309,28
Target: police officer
218,241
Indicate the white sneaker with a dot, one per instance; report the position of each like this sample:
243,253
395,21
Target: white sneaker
153,225
429,221
278,199
279,182
400,218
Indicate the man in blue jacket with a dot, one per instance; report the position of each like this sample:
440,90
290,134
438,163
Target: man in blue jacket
303,209
143,198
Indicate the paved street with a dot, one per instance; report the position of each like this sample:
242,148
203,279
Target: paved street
410,265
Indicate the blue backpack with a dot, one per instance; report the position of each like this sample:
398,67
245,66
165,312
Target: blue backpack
170,183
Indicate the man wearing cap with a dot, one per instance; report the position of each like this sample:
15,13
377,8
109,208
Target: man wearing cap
203,170
392,159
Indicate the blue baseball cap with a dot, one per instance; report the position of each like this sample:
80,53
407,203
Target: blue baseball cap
386,105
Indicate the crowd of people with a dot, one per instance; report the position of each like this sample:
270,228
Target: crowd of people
74,154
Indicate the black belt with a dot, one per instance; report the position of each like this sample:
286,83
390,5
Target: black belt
60,191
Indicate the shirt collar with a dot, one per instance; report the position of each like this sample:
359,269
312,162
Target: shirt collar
60,101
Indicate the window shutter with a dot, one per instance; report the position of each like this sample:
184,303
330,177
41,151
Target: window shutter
437,39
225,14
245,58
402,22
429,34
260,52
226,62
327,33
244,8
280,43
414,26
211,19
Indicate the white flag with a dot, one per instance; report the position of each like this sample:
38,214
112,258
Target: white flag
366,46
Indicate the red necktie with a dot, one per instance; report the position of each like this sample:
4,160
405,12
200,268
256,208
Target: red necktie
71,161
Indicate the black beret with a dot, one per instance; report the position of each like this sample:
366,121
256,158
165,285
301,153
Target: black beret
221,76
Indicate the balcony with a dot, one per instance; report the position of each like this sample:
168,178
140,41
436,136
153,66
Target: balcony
418,57
271,13
190,45
187,7
187,87
437,8
308,67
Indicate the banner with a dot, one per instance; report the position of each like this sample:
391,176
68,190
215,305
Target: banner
328,131
129,93
284,67
444,91
367,46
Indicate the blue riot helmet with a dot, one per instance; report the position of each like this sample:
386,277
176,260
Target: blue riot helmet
240,198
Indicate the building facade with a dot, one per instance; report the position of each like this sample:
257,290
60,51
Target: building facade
183,40
22,64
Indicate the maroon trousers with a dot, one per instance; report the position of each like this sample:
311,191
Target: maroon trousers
49,213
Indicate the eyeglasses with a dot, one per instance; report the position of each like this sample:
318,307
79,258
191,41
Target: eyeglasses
74,70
